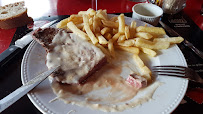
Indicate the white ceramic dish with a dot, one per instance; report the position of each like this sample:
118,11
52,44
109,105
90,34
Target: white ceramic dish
165,99
147,12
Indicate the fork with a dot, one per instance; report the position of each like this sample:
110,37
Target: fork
177,71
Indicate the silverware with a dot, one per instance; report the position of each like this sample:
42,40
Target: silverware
178,71
19,45
20,92
185,42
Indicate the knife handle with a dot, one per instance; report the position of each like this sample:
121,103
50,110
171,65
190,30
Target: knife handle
197,51
8,54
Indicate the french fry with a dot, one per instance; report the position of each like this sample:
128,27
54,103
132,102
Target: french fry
172,40
108,36
89,11
88,30
101,39
127,32
77,31
134,50
105,30
127,43
122,38
63,23
115,37
143,68
154,31
114,19
110,24
80,26
96,24
143,35
104,50
149,52
140,42
121,20
133,26
115,31
111,48
76,19
102,14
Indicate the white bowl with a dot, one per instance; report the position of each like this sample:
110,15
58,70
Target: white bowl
147,12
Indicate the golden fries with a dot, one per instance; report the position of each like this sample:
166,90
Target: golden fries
112,33
172,40
88,30
134,50
121,21
77,31
154,31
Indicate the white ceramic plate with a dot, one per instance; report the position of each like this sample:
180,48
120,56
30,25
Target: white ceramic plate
165,99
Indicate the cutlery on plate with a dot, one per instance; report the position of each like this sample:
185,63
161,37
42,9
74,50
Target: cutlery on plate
185,42
19,45
178,71
24,89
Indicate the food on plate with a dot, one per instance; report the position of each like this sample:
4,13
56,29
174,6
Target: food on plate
14,15
115,86
78,59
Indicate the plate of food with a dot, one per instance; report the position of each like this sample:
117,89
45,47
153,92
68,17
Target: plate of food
105,66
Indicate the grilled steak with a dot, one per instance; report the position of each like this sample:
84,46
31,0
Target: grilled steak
78,59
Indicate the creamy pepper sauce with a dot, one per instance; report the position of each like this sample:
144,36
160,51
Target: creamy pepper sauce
106,90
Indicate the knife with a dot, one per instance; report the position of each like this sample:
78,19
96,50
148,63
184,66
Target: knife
9,53
185,42
20,92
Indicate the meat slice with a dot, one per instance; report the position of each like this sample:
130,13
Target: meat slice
136,81
78,59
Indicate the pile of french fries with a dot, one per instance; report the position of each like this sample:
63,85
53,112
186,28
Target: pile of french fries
110,34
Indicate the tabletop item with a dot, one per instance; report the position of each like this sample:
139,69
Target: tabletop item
185,42
178,71
19,45
147,12
18,93
46,101
14,15
173,6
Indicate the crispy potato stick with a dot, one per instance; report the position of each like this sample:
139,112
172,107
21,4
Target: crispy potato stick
154,31
88,30
122,38
108,36
76,19
89,11
115,31
121,21
80,26
77,31
143,35
133,26
102,14
172,40
114,19
128,49
111,48
115,37
127,32
140,42
96,24
105,30
149,52
127,43
104,50
62,24
143,68
110,24
101,39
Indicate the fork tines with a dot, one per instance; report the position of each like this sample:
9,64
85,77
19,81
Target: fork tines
168,70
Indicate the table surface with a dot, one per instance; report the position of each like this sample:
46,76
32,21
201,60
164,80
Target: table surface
50,9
